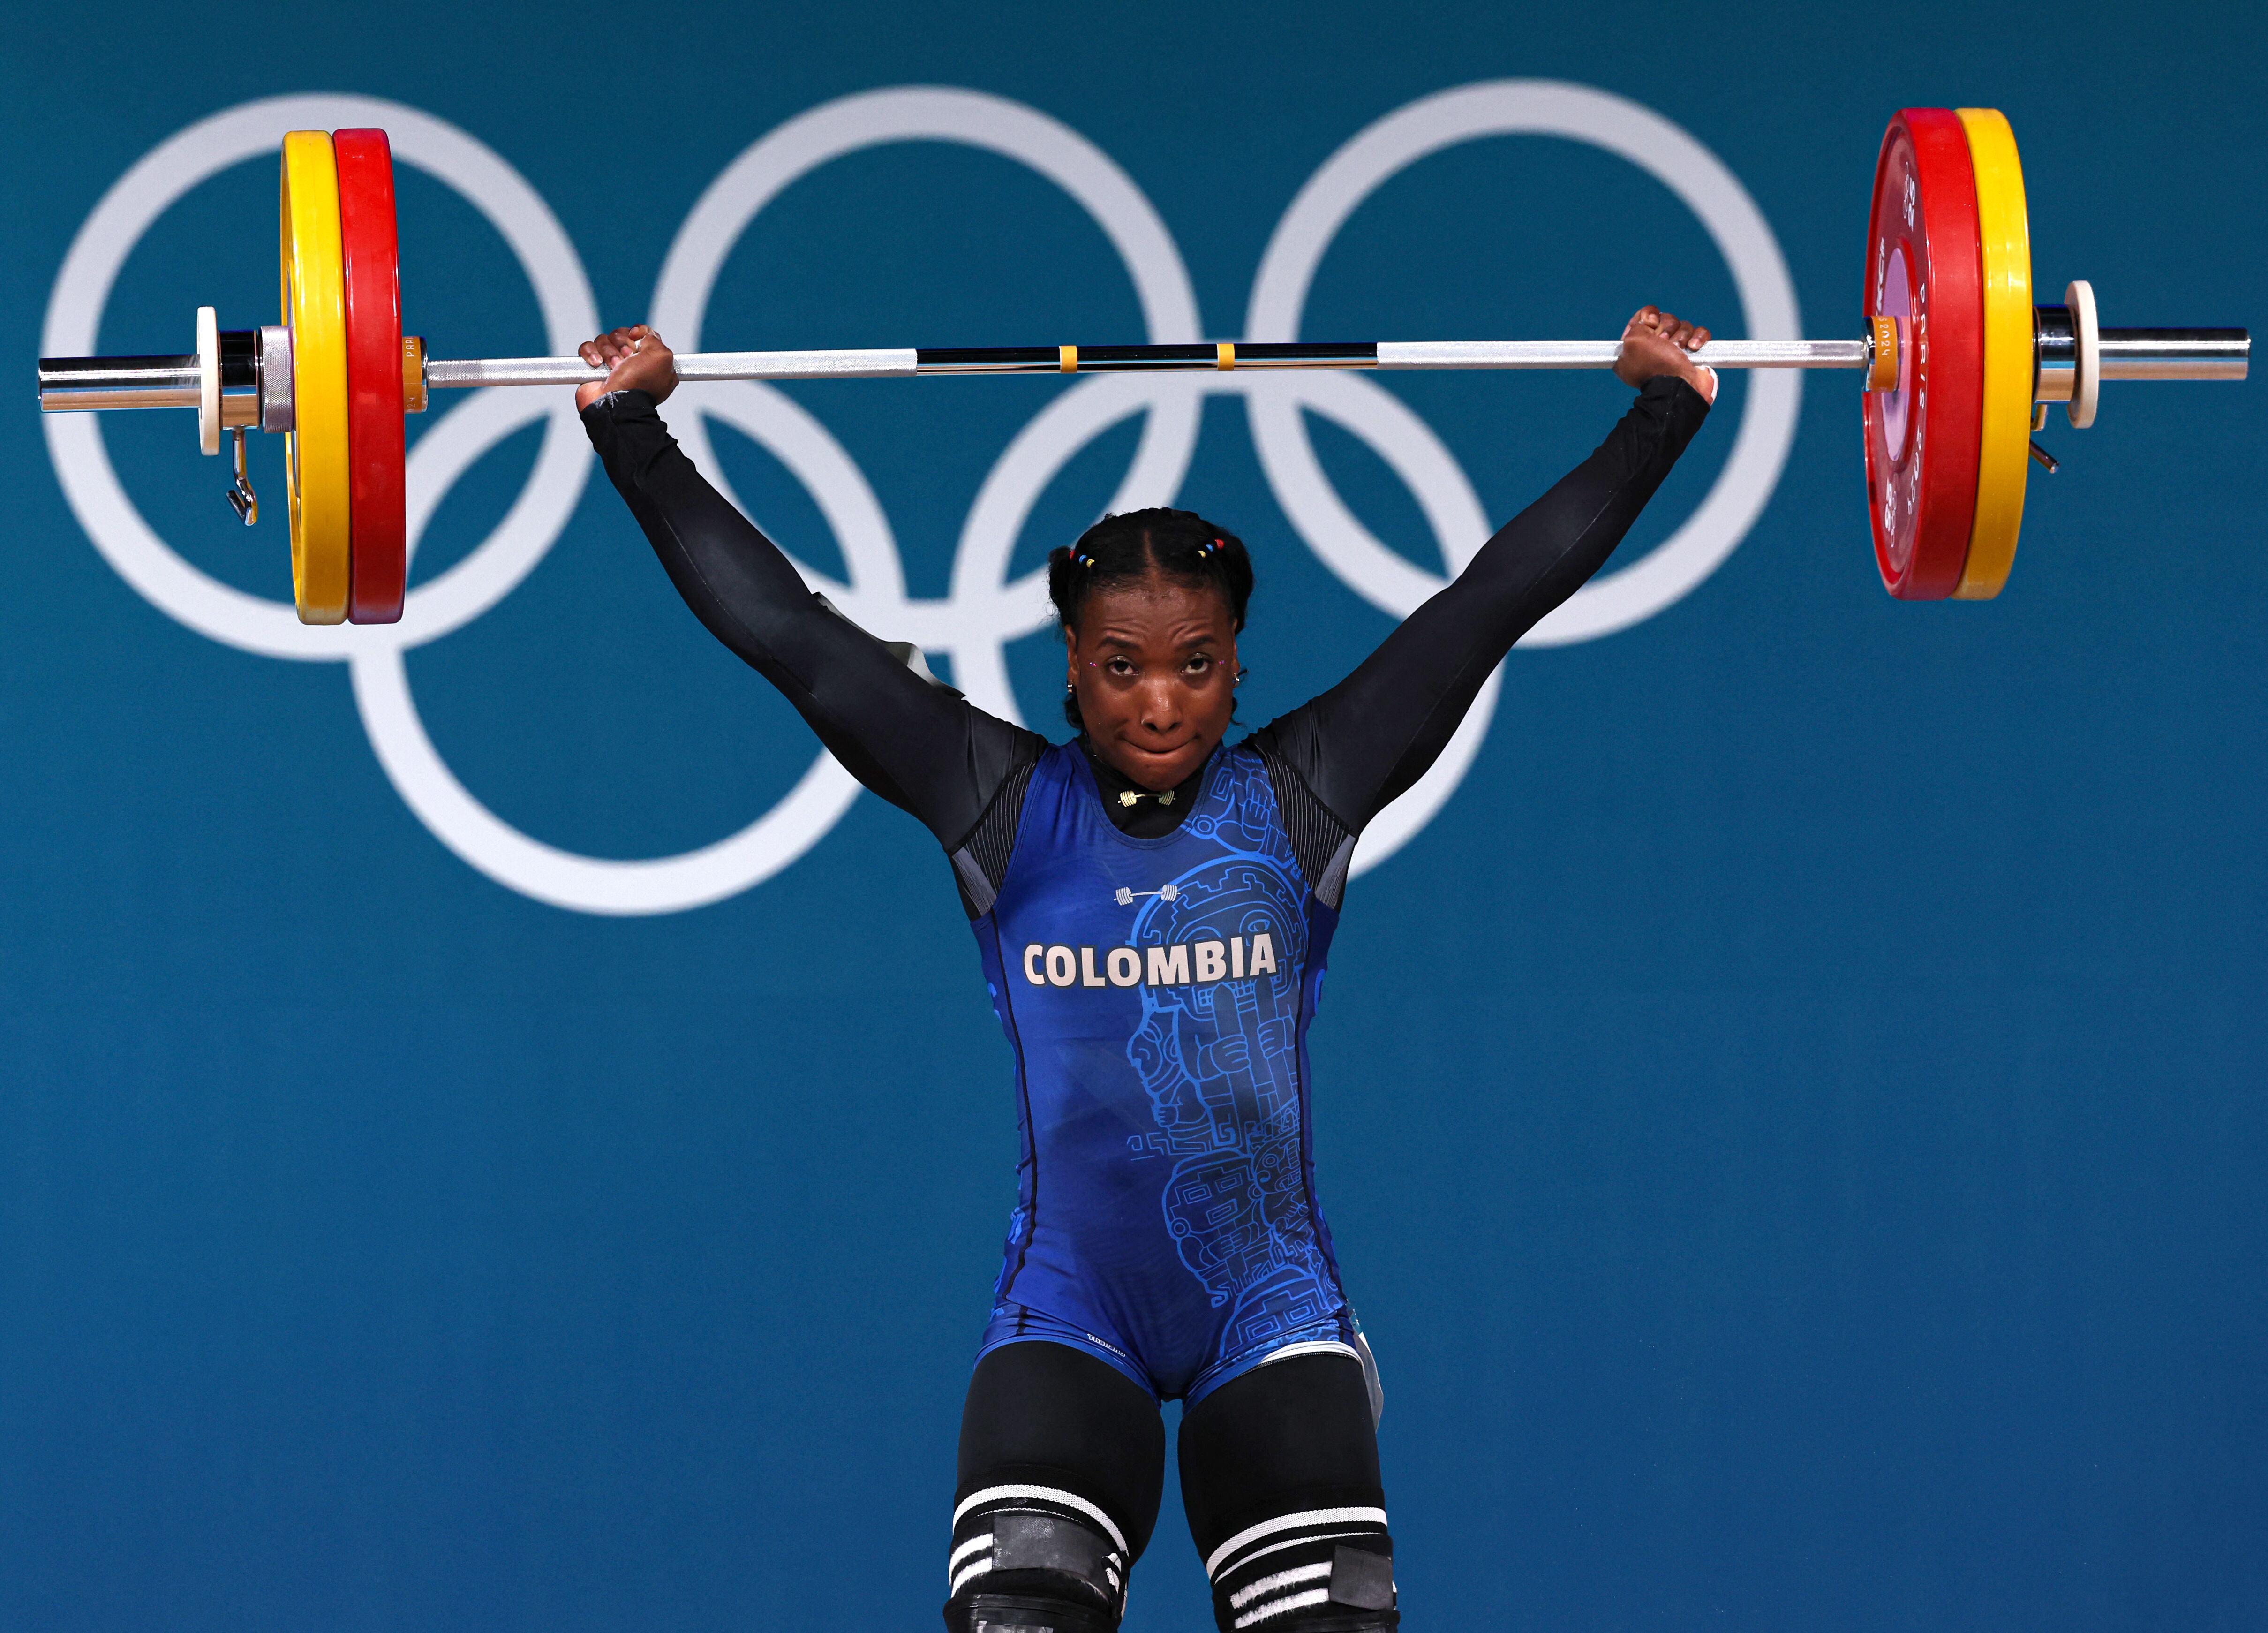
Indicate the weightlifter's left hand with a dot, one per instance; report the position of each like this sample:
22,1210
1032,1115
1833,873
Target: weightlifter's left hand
635,360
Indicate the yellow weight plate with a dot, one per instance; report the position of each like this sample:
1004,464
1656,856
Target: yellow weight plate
2006,239
318,479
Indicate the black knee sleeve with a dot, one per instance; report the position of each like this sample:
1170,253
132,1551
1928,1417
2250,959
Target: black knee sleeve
1280,1474
1035,1559
1062,1460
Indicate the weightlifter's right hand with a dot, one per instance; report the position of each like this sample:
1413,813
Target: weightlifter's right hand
1656,343
635,360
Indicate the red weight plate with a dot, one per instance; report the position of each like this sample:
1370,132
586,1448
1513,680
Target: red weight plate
375,430
1924,269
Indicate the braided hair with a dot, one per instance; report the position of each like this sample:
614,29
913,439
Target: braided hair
1178,546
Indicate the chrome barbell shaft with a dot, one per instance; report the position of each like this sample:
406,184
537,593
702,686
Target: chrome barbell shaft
1206,356
443,373
68,384
2127,354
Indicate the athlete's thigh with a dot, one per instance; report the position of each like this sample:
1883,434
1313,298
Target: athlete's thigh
1063,1461
1280,1480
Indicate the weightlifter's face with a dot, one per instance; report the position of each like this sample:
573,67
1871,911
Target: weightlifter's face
1154,666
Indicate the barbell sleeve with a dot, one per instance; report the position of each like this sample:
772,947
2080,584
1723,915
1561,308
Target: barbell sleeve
68,384
2175,353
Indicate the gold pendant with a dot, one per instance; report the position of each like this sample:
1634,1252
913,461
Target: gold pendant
1129,797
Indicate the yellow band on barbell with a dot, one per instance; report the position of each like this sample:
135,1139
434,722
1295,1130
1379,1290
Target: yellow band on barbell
413,374
1225,355
318,479
1067,358
1883,375
2003,458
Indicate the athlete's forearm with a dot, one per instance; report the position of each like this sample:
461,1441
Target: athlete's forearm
919,746
1368,738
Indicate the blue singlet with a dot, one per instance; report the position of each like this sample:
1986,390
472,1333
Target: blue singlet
1157,994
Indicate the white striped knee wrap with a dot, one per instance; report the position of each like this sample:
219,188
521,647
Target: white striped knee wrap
1320,1567
1026,1538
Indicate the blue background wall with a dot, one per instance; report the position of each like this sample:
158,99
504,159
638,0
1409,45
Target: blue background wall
1794,1122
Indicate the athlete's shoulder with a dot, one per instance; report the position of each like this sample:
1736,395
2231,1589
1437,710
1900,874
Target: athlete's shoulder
1241,771
1322,844
1055,762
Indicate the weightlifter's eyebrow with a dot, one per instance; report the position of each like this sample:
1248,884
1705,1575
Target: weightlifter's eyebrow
1189,642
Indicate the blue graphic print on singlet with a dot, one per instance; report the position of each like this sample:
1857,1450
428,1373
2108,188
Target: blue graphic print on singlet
1156,993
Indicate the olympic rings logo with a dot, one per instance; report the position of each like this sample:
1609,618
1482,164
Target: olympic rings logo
984,610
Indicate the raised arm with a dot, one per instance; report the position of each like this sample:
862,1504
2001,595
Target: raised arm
1368,738
921,746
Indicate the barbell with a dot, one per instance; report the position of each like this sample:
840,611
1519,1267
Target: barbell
1959,365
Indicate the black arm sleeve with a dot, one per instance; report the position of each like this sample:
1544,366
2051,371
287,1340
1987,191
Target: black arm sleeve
1368,738
921,746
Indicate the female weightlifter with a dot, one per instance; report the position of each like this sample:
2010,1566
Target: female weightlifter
1153,907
